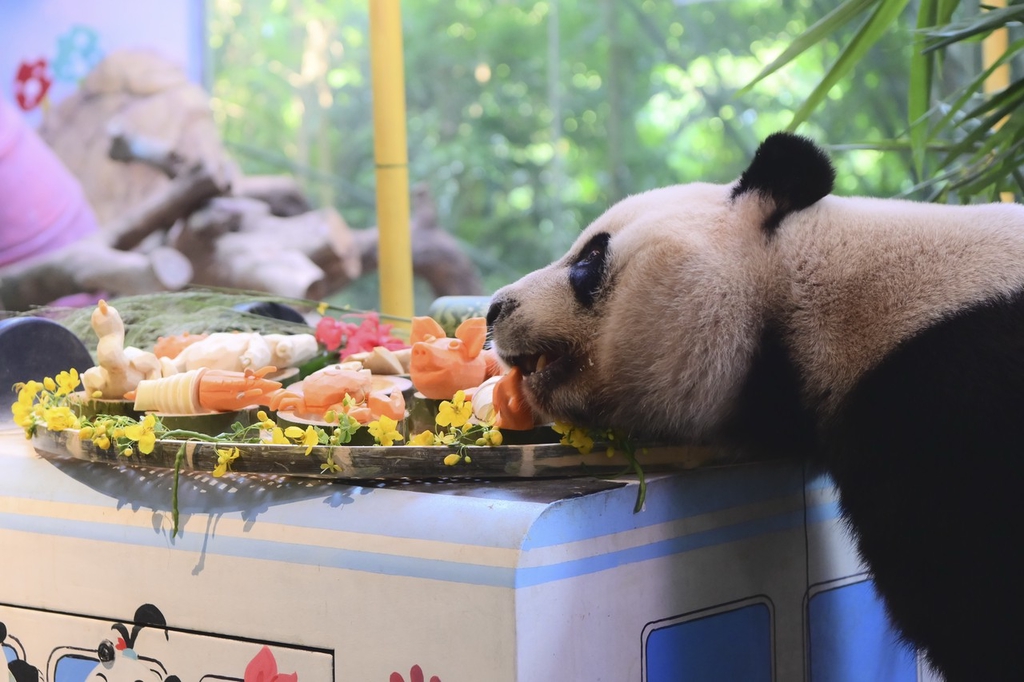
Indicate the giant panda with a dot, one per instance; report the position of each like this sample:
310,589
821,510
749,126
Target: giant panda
881,339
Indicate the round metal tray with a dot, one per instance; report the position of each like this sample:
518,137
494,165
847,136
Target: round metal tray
377,462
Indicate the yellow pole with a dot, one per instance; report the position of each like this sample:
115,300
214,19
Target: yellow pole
392,161
993,47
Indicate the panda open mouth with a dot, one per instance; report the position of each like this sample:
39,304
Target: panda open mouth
546,364
529,364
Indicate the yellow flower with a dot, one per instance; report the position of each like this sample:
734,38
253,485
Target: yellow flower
321,307
60,418
491,437
277,436
25,408
581,441
575,437
67,381
425,438
309,437
451,460
49,384
100,437
86,432
383,430
330,466
128,452
143,433
23,414
455,413
265,421
28,391
224,459
562,427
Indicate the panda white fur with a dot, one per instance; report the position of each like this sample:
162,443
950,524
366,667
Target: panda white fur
881,339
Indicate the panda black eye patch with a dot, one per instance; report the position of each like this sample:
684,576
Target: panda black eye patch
587,271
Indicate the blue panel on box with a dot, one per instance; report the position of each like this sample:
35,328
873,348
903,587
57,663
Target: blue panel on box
73,668
851,638
723,647
9,653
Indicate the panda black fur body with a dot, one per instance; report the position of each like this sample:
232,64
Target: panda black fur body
881,339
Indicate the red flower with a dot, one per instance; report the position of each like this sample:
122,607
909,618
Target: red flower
372,333
415,675
31,83
330,332
263,668
349,338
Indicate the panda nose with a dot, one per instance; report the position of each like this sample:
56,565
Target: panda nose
493,313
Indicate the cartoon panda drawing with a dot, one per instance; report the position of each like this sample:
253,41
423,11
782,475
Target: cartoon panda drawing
17,669
120,662
881,339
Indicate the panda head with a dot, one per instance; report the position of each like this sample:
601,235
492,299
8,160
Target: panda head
649,323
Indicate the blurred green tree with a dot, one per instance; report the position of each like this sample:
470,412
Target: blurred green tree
528,119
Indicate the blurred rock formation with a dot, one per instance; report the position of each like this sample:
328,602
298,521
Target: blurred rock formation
176,210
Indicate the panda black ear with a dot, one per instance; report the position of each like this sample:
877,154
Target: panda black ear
789,171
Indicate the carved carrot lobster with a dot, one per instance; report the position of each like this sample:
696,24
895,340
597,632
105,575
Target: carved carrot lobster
204,390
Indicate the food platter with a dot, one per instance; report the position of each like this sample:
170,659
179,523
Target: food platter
378,462
200,408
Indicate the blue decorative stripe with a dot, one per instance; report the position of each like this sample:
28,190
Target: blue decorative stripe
687,543
461,519
669,498
385,564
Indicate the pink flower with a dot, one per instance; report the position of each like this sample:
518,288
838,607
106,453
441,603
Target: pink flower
415,675
263,668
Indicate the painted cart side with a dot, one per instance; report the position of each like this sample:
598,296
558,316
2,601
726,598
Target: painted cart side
730,573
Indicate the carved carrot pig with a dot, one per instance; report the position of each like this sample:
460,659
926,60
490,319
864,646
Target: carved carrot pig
440,366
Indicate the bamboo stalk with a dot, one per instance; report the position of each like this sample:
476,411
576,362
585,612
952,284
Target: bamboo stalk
391,156
993,47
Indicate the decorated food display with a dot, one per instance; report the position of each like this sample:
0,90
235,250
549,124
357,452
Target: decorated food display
363,403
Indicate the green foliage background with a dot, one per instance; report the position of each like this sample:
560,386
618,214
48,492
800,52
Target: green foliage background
527,120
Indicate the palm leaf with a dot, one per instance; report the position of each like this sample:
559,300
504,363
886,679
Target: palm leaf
973,89
972,143
823,28
979,138
983,23
884,16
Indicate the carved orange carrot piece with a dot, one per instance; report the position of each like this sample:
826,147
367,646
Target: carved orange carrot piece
440,366
513,411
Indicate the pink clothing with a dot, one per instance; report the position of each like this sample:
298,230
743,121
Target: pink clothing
42,207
